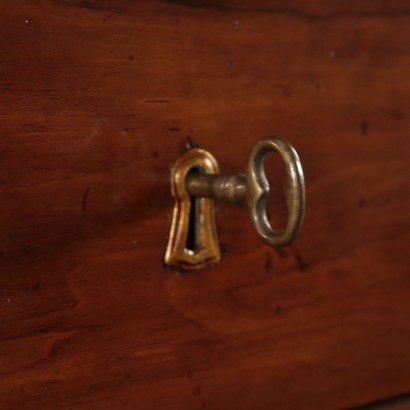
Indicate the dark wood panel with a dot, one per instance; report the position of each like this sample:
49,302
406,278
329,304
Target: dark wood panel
98,100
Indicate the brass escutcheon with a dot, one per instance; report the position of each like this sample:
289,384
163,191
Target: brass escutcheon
188,210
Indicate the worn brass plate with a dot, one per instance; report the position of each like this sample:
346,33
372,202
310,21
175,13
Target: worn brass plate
179,253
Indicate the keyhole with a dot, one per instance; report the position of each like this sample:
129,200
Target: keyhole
191,240
191,236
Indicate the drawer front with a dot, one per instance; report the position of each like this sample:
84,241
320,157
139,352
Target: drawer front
99,99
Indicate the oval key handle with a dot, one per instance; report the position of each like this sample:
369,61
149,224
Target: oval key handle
193,241
257,191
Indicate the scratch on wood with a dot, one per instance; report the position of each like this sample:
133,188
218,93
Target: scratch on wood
108,17
300,262
84,202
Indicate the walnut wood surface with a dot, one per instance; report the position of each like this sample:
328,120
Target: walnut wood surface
98,99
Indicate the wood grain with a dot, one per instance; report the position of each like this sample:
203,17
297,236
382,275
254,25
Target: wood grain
98,100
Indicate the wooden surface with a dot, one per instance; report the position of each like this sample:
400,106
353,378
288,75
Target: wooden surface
98,99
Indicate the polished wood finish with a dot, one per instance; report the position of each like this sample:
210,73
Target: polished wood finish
99,98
